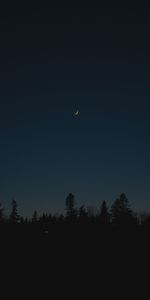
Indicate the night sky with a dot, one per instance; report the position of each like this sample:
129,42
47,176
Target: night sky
53,61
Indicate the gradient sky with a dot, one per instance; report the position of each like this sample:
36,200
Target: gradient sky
54,60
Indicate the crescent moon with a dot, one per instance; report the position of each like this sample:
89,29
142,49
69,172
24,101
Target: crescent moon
76,113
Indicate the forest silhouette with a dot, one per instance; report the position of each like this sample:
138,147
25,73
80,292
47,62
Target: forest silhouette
80,231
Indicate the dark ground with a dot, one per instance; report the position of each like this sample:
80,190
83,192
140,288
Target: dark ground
74,262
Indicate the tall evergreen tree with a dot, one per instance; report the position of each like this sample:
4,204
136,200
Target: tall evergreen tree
120,211
14,216
71,211
104,214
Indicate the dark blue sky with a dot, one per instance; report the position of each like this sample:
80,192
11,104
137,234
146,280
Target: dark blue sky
53,61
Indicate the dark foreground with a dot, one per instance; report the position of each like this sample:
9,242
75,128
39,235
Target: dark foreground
71,240
83,259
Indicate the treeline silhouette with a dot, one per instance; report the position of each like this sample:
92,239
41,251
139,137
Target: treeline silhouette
79,230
